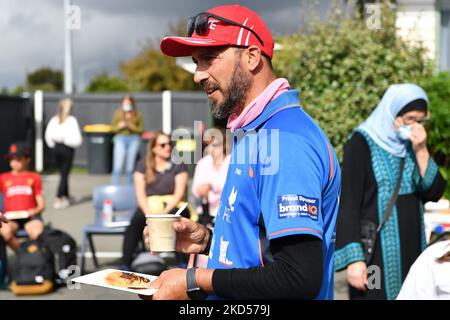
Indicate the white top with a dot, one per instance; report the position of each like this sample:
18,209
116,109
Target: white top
67,132
428,279
205,173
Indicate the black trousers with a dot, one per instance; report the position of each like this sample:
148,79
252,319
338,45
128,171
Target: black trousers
64,159
133,235
3,262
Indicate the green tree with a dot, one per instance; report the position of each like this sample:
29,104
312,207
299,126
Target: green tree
178,28
104,83
154,71
50,80
18,90
4,91
438,91
44,79
342,68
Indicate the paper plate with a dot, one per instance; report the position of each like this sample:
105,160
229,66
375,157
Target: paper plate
98,279
15,215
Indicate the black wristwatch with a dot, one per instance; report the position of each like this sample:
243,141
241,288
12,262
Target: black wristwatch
208,246
193,290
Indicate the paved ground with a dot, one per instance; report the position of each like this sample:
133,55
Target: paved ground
73,219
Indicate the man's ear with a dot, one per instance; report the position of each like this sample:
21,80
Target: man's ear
253,58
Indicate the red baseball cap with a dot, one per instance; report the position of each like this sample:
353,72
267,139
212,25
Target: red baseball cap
18,149
221,33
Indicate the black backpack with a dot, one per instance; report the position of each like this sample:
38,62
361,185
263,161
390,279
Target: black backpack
147,263
34,270
64,250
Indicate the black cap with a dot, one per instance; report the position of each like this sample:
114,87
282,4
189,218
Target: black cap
19,149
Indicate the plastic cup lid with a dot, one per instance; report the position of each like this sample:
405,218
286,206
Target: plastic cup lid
172,216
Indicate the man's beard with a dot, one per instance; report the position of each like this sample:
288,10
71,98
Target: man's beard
235,94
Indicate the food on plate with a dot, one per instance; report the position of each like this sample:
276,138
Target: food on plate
127,280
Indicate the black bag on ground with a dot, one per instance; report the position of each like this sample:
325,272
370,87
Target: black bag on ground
3,263
147,263
64,250
34,271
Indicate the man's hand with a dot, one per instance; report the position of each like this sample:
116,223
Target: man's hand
357,275
191,237
2,219
171,285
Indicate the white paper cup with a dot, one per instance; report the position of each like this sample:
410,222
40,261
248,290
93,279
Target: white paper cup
162,234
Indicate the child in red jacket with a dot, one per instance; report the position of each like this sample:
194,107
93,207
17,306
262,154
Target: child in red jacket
22,194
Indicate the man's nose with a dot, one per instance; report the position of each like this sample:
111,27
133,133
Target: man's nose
200,75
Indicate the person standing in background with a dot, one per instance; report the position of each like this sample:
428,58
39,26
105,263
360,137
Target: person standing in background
63,135
127,124
388,149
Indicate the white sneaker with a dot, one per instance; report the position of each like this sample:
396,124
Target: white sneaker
61,203
64,203
57,204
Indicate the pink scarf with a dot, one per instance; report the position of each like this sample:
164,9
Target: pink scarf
256,107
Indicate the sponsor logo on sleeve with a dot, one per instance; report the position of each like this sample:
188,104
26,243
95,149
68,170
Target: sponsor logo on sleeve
295,206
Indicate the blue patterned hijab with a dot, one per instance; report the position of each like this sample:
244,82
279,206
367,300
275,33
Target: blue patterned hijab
380,124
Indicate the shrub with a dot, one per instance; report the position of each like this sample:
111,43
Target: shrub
438,91
342,69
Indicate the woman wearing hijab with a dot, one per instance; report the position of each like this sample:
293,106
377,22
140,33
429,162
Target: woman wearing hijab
391,141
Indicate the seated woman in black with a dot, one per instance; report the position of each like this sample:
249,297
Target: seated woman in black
160,186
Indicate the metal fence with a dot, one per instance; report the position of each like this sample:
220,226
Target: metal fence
181,110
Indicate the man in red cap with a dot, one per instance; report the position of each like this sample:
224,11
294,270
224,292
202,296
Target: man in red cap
275,226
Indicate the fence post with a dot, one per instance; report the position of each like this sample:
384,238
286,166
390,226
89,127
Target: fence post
38,118
167,111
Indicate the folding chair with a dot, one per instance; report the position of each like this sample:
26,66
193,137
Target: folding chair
124,201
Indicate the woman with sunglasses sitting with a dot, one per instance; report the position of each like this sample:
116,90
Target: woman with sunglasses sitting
160,187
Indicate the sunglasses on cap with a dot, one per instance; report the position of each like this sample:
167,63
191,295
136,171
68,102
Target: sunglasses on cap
200,24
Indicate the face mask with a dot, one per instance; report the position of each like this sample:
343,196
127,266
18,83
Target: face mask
127,107
404,132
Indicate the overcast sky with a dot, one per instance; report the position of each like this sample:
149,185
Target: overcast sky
112,31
